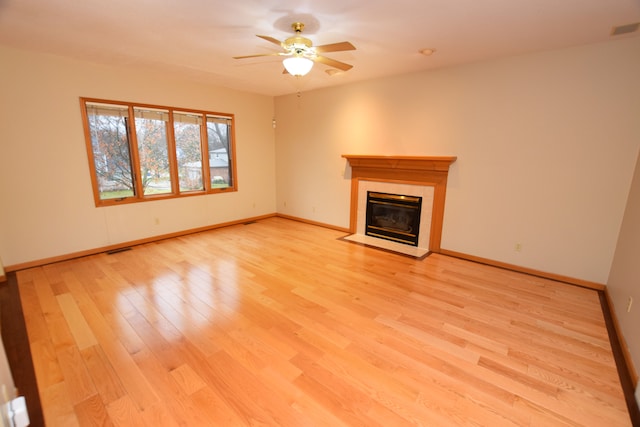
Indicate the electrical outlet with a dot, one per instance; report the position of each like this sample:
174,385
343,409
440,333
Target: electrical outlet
629,304
518,247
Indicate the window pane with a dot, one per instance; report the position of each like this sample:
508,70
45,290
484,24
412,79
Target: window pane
188,151
151,132
219,153
110,145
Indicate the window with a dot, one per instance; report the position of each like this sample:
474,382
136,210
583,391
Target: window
153,150
186,128
143,152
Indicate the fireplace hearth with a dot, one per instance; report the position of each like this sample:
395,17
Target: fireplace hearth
393,217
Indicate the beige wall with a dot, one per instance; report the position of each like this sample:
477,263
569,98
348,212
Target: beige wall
624,280
47,203
546,147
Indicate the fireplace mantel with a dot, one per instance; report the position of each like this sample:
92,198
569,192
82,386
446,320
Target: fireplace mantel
425,163
427,170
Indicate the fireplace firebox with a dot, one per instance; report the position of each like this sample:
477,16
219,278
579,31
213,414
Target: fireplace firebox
393,217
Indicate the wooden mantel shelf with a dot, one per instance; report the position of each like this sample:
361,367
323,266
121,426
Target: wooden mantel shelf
430,171
424,163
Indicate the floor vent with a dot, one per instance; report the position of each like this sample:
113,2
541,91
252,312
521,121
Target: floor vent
115,251
625,29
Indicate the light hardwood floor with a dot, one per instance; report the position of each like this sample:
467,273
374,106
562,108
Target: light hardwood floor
280,323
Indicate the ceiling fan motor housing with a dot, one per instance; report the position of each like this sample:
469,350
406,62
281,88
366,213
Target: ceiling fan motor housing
297,44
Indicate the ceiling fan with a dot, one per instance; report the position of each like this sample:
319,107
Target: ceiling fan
301,54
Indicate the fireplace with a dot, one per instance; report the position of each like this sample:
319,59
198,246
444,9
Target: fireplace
393,217
424,177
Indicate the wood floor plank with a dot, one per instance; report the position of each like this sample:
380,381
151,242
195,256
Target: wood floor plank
76,375
80,330
115,314
92,412
45,364
158,415
57,407
123,412
174,398
188,379
33,316
254,401
349,404
281,323
161,311
136,384
104,376
215,409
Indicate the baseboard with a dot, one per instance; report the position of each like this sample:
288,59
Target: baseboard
526,270
626,370
117,246
623,343
308,221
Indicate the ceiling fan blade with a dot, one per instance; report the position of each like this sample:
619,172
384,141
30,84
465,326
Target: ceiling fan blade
255,56
335,47
270,39
333,63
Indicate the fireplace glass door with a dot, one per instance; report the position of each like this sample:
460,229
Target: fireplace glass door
393,217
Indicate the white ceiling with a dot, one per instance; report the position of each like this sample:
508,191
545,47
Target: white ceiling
197,39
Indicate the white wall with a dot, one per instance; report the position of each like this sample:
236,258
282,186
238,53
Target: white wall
45,188
624,280
546,147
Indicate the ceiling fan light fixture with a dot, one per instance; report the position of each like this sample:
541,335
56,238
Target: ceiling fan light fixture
297,65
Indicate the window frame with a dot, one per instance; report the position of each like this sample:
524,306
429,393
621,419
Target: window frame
137,183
